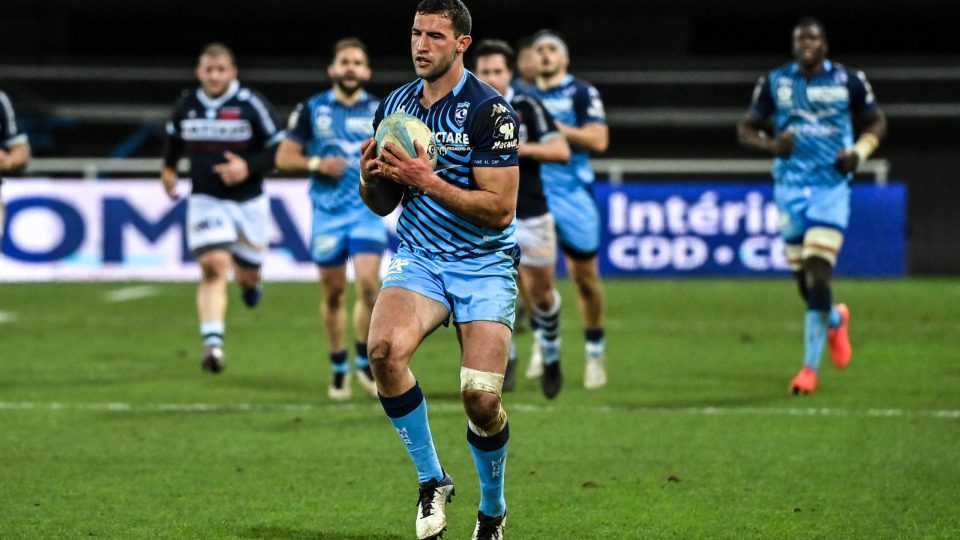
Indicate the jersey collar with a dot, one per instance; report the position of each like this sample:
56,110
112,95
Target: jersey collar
827,66
509,95
456,89
216,103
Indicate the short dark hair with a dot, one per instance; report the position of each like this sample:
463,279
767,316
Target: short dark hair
526,42
217,49
811,21
490,47
454,10
349,43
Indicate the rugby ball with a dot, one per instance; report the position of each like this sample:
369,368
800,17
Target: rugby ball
401,129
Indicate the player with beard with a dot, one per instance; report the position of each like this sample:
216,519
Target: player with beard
457,257
809,104
324,136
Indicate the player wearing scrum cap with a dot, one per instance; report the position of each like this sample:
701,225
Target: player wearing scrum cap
578,110
808,103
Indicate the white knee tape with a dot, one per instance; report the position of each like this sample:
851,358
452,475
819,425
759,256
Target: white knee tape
484,381
795,256
822,242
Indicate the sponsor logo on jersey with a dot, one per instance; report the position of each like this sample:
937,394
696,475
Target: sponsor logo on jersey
827,94
452,142
359,124
505,133
230,113
558,106
215,130
498,108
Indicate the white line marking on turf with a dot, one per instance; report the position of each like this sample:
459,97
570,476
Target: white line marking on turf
131,293
457,408
7,317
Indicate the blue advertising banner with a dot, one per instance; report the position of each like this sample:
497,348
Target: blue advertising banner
732,229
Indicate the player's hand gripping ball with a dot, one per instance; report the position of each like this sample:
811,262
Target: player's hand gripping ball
401,129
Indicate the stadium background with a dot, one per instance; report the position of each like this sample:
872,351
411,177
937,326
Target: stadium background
109,429
95,79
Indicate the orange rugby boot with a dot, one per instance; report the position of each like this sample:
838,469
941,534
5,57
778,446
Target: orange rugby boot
805,382
839,340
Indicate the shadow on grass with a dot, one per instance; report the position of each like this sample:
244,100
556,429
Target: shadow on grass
273,531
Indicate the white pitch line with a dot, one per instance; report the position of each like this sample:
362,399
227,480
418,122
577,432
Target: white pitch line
950,414
7,317
126,294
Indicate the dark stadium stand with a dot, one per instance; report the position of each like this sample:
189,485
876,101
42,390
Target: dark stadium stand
675,78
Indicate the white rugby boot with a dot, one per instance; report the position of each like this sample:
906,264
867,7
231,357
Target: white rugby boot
431,507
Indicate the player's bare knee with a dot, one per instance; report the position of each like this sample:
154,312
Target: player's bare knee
387,357
333,297
367,293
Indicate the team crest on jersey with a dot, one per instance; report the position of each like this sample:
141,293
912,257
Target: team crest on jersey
460,116
785,93
324,124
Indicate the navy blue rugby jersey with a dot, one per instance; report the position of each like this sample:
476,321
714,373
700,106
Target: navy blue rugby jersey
536,125
240,121
474,126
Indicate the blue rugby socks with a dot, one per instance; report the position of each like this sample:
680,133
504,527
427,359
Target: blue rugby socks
408,414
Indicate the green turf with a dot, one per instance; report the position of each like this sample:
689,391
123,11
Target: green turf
695,437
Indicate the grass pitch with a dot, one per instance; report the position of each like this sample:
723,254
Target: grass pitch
108,427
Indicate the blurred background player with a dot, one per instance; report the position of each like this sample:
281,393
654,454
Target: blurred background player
323,138
457,256
540,141
528,65
229,132
578,110
14,148
810,102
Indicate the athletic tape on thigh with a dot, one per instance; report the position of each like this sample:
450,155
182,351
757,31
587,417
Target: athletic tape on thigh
822,242
795,256
484,381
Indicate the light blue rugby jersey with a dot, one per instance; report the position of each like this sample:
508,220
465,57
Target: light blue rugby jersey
575,103
817,111
327,128
474,127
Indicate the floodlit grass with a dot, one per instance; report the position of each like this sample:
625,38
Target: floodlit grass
108,427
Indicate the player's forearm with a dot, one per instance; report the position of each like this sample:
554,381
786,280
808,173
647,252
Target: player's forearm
290,161
17,157
752,137
484,208
877,126
172,150
555,150
592,137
